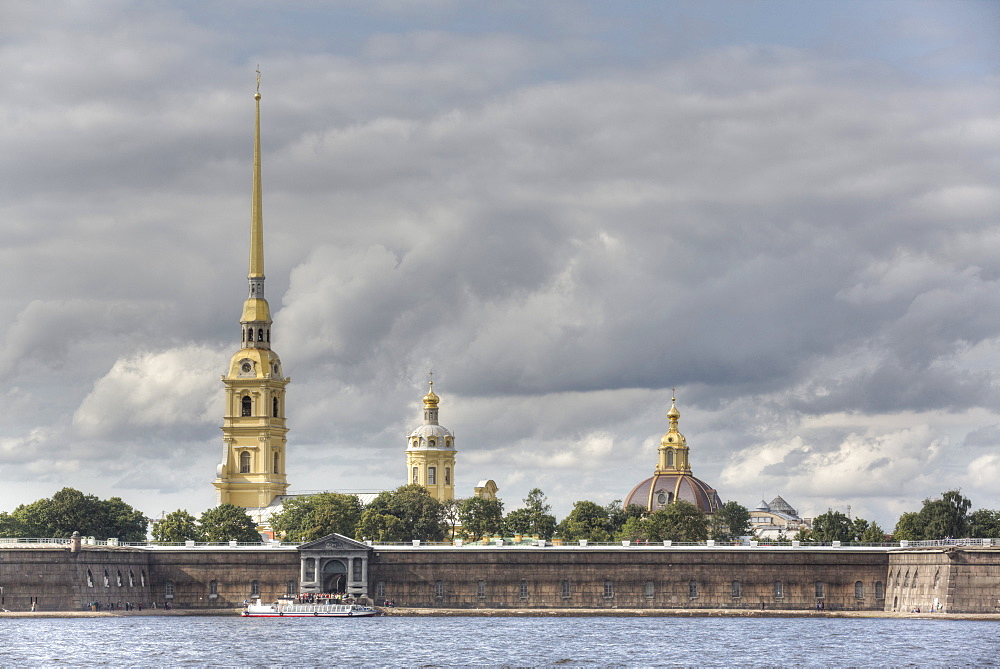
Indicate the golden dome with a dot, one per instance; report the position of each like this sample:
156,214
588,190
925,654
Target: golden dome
430,399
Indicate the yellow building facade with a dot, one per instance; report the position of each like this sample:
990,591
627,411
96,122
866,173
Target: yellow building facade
252,471
430,453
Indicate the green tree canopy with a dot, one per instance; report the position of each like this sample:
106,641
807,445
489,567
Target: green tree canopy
832,526
587,520
408,512
729,522
937,519
908,527
310,517
68,511
481,517
984,523
534,518
227,522
873,534
619,515
175,527
679,521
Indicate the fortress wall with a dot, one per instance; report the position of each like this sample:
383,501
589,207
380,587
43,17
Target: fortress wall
58,580
192,570
960,580
534,577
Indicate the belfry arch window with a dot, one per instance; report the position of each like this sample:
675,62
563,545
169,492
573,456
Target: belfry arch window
247,405
245,462
260,334
274,406
431,443
269,335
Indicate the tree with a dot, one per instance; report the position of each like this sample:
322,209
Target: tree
832,526
534,518
984,523
408,512
908,527
729,522
946,517
481,517
937,519
175,527
69,510
679,521
310,517
873,534
587,520
450,515
618,515
227,522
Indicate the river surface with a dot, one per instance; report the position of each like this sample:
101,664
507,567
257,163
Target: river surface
166,641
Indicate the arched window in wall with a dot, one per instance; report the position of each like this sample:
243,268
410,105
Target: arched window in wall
779,590
107,579
693,589
879,590
168,590
736,589
90,579
276,462
432,476
120,581
416,475
649,590
247,405
438,589
859,590
609,589
245,462
274,407
290,588
522,591
447,475
566,590
670,458
131,578
213,588
255,588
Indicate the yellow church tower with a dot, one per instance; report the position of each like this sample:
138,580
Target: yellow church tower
430,453
252,471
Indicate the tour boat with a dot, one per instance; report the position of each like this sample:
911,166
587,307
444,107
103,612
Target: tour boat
286,608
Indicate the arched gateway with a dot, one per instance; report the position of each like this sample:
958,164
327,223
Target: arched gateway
334,564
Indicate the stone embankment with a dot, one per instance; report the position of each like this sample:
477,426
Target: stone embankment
681,613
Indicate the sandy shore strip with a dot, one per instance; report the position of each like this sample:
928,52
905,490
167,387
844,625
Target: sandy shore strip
402,611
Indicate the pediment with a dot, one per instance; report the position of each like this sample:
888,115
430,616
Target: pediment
334,542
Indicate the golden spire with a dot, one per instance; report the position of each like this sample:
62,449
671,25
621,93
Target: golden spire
256,215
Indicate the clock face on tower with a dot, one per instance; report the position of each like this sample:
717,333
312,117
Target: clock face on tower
246,367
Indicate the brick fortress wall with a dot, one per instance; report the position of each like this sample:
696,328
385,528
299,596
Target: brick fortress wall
630,578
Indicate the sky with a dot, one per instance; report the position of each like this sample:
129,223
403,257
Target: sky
787,211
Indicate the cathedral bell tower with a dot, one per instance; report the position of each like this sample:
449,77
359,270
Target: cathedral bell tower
252,471
430,453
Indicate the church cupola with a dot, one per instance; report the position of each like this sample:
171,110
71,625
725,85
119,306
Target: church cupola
430,452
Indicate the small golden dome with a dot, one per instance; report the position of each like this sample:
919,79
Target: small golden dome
430,399
673,414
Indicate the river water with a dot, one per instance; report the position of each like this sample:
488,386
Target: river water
496,642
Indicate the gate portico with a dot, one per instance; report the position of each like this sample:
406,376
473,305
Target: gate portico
334,564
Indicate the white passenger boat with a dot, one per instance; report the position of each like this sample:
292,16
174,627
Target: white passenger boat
286,608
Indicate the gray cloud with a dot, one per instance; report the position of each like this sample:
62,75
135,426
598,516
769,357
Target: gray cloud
561,224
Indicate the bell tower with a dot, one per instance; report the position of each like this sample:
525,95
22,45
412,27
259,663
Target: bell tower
252,471
430,453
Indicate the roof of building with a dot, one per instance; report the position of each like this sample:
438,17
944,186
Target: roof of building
663,488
